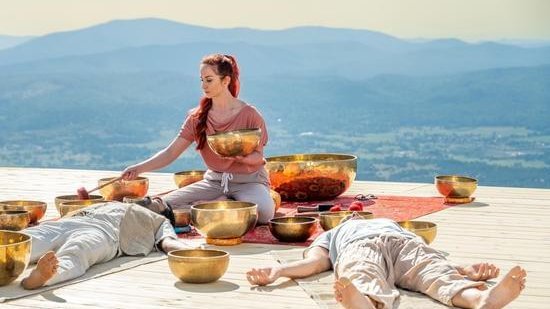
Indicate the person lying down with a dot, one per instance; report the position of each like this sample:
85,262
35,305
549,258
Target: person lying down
371,257
66,248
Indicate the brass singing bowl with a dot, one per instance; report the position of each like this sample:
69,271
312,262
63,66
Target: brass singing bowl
185,178
311,177
425,229
331,219
293,229
224,222
235,143
182,217
15,253
454,186
14,220
36,209
74,197
69,206
197,265
119,189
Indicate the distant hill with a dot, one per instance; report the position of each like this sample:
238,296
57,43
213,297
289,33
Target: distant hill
7,41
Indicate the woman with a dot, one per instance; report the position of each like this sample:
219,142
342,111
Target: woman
219,110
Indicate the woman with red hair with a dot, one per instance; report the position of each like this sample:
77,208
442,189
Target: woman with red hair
219,110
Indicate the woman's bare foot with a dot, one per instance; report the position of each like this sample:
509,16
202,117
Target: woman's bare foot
45,269
349,296
505,291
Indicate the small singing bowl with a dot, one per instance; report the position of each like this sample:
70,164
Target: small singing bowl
74,197
311,177
292,229
70,206
329,220
197,265
235,143
426,230
36,209
14,220
182,217
15,253
224,222
454,186
119,189
185,178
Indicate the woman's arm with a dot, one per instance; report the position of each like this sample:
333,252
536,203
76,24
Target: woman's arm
159,160
316,261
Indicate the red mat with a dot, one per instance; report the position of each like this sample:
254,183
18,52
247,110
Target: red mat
398,208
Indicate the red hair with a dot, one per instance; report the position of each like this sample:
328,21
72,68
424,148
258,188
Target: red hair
224,65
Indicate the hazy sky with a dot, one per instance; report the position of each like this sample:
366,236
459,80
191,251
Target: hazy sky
465,19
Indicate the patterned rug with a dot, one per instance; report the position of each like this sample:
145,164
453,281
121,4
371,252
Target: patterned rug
398,208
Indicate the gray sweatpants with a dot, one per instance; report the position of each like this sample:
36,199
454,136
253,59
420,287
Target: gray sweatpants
377,265
252,188
78,245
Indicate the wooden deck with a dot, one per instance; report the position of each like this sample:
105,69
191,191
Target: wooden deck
507,226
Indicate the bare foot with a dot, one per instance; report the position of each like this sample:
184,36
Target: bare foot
46,268
505,291
349,296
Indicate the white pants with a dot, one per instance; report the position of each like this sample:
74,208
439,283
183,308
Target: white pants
77,245
252,188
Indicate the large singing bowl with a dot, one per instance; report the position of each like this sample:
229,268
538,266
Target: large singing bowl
119,189
15,252
224,222
70,206
185,178
311,177
235,143
14,220
197,265
293,229
455,186
74,197
36,209
425,229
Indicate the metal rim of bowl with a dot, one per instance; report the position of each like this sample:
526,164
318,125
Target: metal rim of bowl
223,254
463,179
28,238
122,180
281,159
252,205
430,224
190,172
236,131
18,202
307,220
347,213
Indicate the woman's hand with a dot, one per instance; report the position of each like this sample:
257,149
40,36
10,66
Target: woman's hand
252,159
263,276
131,172
479,271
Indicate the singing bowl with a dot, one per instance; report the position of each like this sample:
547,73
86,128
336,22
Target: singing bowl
426,230
197,265
15,253
182,217
14,220
185,178
454,186
119,189
69,206
235,143
329,220
311,177
276,198
74,197
224,222
36,209
292,229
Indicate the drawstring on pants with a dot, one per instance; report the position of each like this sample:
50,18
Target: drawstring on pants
226,177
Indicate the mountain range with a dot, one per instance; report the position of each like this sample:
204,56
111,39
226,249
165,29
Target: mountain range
112,94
